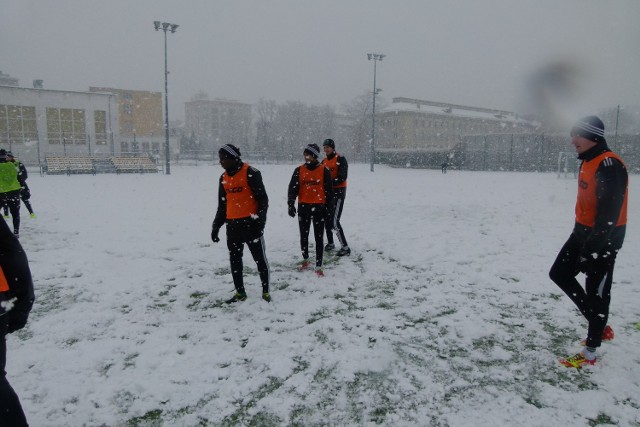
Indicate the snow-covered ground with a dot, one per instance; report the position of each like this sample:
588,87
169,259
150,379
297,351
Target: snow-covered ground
443,315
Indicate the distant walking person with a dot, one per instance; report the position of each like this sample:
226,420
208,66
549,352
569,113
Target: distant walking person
444,167
10,189
16,300
598,234
242,205
339,169
25,193
311,185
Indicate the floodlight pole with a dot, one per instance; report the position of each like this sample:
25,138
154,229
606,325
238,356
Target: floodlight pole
165,26
376,57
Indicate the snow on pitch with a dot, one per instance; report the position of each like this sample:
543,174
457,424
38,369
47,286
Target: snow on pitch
443,315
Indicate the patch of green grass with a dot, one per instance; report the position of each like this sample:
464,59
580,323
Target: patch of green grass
602,419
151,418
484,343
301,364
198,301
321,337
129,360
351,305
317,315
71,341
241,417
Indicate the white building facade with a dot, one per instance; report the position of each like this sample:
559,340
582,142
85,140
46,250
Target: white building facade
38,122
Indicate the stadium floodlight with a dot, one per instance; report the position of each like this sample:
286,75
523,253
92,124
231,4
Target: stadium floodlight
376,57
166,26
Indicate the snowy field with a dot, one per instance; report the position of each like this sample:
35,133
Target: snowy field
444,314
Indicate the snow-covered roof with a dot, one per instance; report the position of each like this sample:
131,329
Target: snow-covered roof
450,110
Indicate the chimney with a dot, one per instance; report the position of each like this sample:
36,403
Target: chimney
38,84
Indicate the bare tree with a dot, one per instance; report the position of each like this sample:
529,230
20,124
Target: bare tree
357,125
266,110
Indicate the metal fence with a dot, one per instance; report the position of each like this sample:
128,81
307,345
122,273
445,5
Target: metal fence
508,152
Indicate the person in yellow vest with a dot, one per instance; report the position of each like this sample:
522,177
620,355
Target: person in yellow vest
598,234
339,169
242,205
311,185
10,189
16,300
25,192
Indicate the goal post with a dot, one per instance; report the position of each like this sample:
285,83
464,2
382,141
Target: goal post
567,165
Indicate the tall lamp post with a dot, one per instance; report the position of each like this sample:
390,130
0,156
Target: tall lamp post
376,57
165,26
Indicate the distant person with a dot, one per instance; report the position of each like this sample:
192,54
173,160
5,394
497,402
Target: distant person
444,167
339,169
10,189
25,193
242,205
16,300
598,234
311,185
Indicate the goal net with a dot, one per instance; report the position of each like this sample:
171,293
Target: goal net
567,165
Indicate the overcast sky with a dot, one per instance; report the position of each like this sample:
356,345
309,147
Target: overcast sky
479,53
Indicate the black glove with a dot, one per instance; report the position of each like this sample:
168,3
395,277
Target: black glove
19,314
214,235
292,211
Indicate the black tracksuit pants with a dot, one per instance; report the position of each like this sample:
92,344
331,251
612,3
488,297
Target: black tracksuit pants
592,300
339,194
11,413
312,213
258,251
12,200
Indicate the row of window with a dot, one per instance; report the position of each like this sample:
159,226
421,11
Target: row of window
64,125
457,125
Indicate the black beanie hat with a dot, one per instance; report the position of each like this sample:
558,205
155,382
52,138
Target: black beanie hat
230,151
312,149
330,143
591,128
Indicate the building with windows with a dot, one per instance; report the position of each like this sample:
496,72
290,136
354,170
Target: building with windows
211,123
413,124
35,122
141,128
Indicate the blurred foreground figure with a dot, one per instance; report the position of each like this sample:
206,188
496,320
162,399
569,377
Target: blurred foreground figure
598,234
16,300
242,205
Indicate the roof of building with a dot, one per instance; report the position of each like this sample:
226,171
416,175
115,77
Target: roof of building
451,110
30,89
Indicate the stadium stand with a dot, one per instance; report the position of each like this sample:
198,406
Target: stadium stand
79,164
134,164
